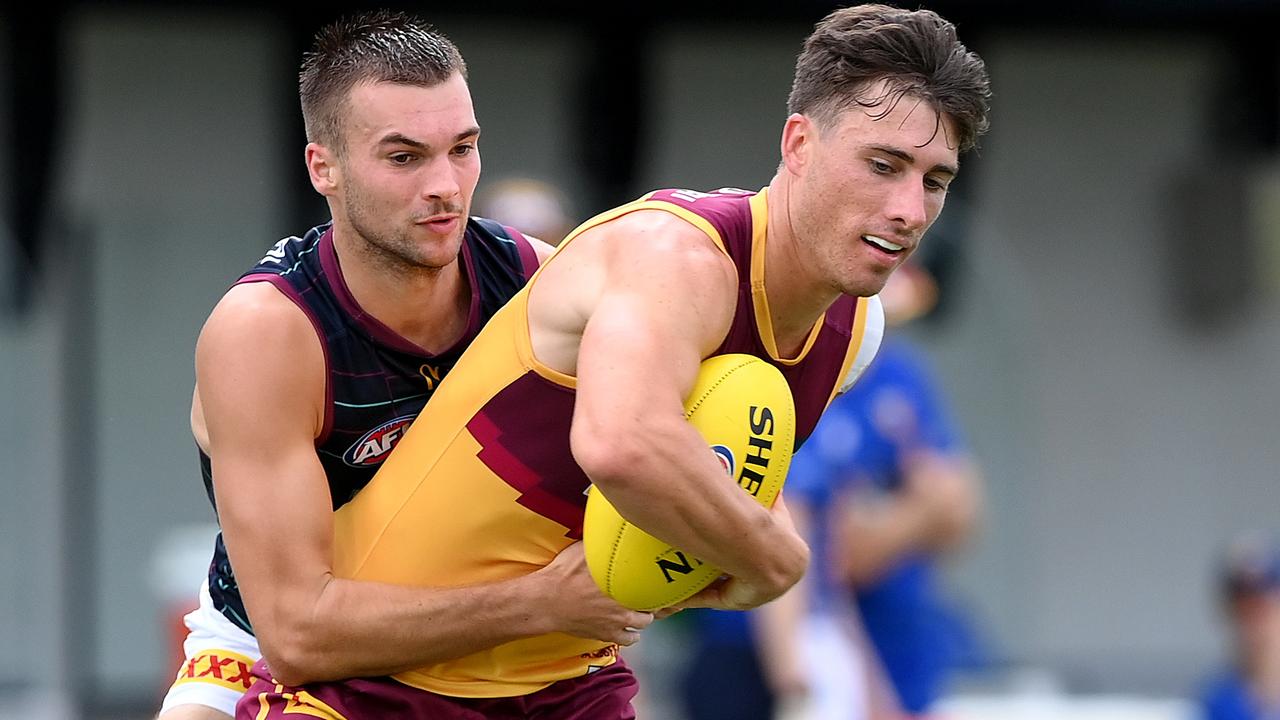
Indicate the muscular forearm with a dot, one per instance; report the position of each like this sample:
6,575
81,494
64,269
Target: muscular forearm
670,485
359,629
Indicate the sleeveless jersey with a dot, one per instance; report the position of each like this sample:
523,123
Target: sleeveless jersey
484,486
377,381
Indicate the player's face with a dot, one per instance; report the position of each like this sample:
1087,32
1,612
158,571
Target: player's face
1257,622
867,188
410,168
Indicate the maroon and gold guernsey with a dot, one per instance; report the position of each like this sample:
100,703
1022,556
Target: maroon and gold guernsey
483,486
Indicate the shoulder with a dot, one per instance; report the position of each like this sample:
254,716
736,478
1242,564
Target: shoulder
662,236
260,362
672,257
256,319
253,306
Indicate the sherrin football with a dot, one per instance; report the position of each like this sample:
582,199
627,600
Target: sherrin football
743,408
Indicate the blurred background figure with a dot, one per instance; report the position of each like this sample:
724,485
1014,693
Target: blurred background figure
890,475
1248,688
533,206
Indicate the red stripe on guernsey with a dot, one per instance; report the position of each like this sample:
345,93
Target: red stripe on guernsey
813,379
292,293
528,258
523,432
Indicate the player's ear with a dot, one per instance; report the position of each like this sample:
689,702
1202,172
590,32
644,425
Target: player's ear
322,167
798,135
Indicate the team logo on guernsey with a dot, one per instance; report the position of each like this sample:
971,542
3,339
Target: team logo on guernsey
276,253
377,444
726,457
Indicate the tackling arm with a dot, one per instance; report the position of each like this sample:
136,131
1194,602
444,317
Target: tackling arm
260,379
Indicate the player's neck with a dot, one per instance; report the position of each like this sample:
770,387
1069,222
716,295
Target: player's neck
429,307
796,299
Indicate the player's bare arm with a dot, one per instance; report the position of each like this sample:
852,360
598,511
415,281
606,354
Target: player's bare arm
260,377
651,297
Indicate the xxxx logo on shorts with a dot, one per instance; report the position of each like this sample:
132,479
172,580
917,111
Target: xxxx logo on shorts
217,667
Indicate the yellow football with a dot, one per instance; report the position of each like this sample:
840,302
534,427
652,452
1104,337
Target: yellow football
743,408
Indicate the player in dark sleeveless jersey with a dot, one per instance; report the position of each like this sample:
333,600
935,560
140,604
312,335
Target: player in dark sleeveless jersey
605,343
313,364
377,381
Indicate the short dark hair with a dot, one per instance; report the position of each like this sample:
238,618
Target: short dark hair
378,46
915,51
1251,565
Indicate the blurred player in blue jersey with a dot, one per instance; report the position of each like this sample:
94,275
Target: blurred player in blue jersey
1249,688
892,490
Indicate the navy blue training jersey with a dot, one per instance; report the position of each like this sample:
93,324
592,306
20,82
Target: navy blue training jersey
377,381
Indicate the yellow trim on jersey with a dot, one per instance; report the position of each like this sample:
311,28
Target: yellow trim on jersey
855,347
759,300
587,225
646,202
524,345
690,217
524,341
263,706
313,707
298,702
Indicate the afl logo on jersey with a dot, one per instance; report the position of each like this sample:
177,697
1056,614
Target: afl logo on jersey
726,457
377,444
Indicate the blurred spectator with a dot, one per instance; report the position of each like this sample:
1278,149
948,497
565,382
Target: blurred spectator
894,490
536,207
1249,688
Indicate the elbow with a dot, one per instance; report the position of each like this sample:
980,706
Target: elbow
285,672
292,657
609,457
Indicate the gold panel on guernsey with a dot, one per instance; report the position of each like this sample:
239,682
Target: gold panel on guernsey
516,668
462,526
435,515
420,499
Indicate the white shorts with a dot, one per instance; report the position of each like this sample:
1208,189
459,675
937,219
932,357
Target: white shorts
219,655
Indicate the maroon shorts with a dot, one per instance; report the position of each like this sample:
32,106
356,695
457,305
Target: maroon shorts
603,695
